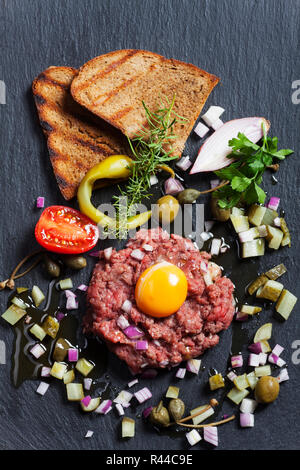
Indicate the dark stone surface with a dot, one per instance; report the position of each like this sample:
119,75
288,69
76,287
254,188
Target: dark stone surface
254,47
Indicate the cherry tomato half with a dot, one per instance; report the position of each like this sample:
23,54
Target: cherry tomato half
65,230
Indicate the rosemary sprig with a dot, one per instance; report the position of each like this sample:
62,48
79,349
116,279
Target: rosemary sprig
151,147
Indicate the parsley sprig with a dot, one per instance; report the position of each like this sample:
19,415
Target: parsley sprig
244,176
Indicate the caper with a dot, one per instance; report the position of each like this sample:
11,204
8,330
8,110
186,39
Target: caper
51,267
188,196
160,415
219,214
267,389
75,261
60,350
176,408
166,209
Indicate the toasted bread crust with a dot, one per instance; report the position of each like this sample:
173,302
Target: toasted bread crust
113,85
76,139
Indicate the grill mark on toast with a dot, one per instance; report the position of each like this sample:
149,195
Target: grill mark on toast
94,148
121,113
107,70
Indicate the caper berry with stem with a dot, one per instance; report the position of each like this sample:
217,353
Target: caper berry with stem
176,408
159,416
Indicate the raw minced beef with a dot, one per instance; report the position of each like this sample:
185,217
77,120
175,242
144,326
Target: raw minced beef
208,308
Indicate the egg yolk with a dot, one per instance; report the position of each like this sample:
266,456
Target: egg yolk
161,290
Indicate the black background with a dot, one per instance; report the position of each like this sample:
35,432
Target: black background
254,47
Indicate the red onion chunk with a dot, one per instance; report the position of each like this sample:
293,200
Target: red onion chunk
132,332
120,409
246,420
212,115
147,411
72,303
193,437
184,163
42,388
104,407
237,361
217,124
149,374
95,254
231,376
273,203
38,350
277,350
147,247
122,322
253,360
248,405
45,372
143,395
180,374
137,254
60,316
255,348
73,355
86,400
263,357
173,186
141,345
126,306
123,397
40,202
107,253
283,376
241,316
83,287
201,129
213,154
87,383
132,383
193,365
210,434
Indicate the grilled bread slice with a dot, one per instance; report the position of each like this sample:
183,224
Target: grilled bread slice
113,86
77,140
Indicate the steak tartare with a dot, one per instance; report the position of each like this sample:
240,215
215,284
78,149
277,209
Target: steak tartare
208,308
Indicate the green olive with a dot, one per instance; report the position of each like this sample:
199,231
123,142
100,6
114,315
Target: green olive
60,350
160,415
267,389
166,209
188,196
75,261
51,267
176,408
219,214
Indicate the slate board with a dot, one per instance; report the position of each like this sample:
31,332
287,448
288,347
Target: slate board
254,47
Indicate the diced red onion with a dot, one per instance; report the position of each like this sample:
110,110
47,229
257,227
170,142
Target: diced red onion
83,287
72,355
87,383
104,407
42,388
72,303
137,254
283,376
253,360
120,409
40,202
273,203
193,437
69,293
89,434
180,374
215,246
213,153
246,420
147,247
122,322
280,362
273,358
149,374
237,361
240,316
193,365
248,405
123,397
108,410
217,124
173,186
132,383
231,376
212,114
262,358
210,434
60,316
147,411
277,350
143,395
86,400
126,306
153,180
184,163
45,372
255,348
201,129
141,345
132,332
107,253
208,224
38,350
95,254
